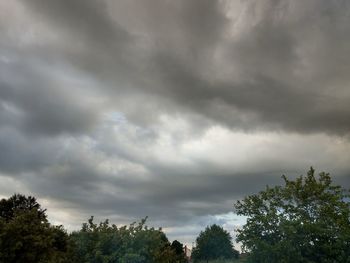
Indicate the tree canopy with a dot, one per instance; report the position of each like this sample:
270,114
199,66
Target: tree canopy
27,236
306,220
136,243
214,243
19,203
179,251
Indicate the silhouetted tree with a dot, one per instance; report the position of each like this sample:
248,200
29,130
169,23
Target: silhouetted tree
18,203
179,251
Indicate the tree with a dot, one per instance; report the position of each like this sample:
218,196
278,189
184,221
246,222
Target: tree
136,243
214,243
27,236
306,220
17,203
179,251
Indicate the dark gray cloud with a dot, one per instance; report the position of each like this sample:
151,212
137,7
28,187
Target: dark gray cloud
193,53
172,109
36,100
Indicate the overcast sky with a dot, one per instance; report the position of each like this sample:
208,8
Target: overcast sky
169,109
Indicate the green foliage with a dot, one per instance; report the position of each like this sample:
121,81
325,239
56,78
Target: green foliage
213,244
178,248
306,220
18,203
26,235
105,243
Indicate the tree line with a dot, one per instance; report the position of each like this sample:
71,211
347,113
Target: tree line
305,220
27,236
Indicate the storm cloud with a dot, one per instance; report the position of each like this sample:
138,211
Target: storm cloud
169,109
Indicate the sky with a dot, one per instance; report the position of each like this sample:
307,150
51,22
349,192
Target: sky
169,109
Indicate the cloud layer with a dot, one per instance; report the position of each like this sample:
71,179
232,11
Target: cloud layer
171,109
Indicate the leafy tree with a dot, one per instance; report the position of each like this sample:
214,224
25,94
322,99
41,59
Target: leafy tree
179,251
17,203
27,236
166,255
306,220
214,243
136,243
